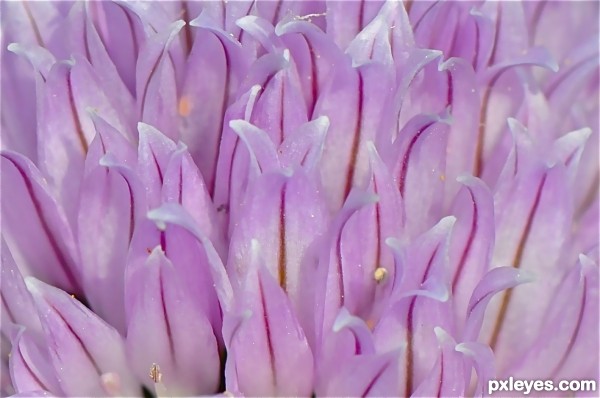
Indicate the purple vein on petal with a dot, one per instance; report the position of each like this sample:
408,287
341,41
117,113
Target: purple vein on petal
282,242
356,138
51,239
267,331
573,338
76,120
467,250
379,373
406,159
506,299
409,374
165,312
224,101
78,339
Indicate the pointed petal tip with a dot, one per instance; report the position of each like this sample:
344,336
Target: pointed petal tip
14,47
446,222
237,125
467,180
108,160
394,243
515,125
145,129
34,286
587,262
246,21
176,26
322,122
157,253
442,335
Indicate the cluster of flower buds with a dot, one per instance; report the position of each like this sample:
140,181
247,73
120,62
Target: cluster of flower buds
298,198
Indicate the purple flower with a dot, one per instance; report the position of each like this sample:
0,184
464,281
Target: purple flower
296,198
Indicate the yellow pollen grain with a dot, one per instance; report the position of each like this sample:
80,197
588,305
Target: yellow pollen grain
380,274
185,106
442,177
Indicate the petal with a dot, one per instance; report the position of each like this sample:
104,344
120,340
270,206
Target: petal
314,56
367,262
108,140
233,161
66,130
573,318
274,11
279,109
493,282
420,305
156,87
30,25
447,377
353,100
365,376
32,224
120,36
505,89
82,347
483,361
268,350
171,213
288,218
17,95
510,35
462,98
420,162
345,21
206,96
263,156
165,327
40,58
360,331
472,241
331,287
413,71
261,30
30,366
533,220
86,41
568,150
154,151
438,25
374,42
17,305
304,146
189,258
183,184
107,216
34,24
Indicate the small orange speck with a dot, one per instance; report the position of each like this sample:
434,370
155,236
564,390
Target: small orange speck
370,324
185,106
72,296
442,177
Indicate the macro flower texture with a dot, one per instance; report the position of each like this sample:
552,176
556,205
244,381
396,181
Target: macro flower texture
298,198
